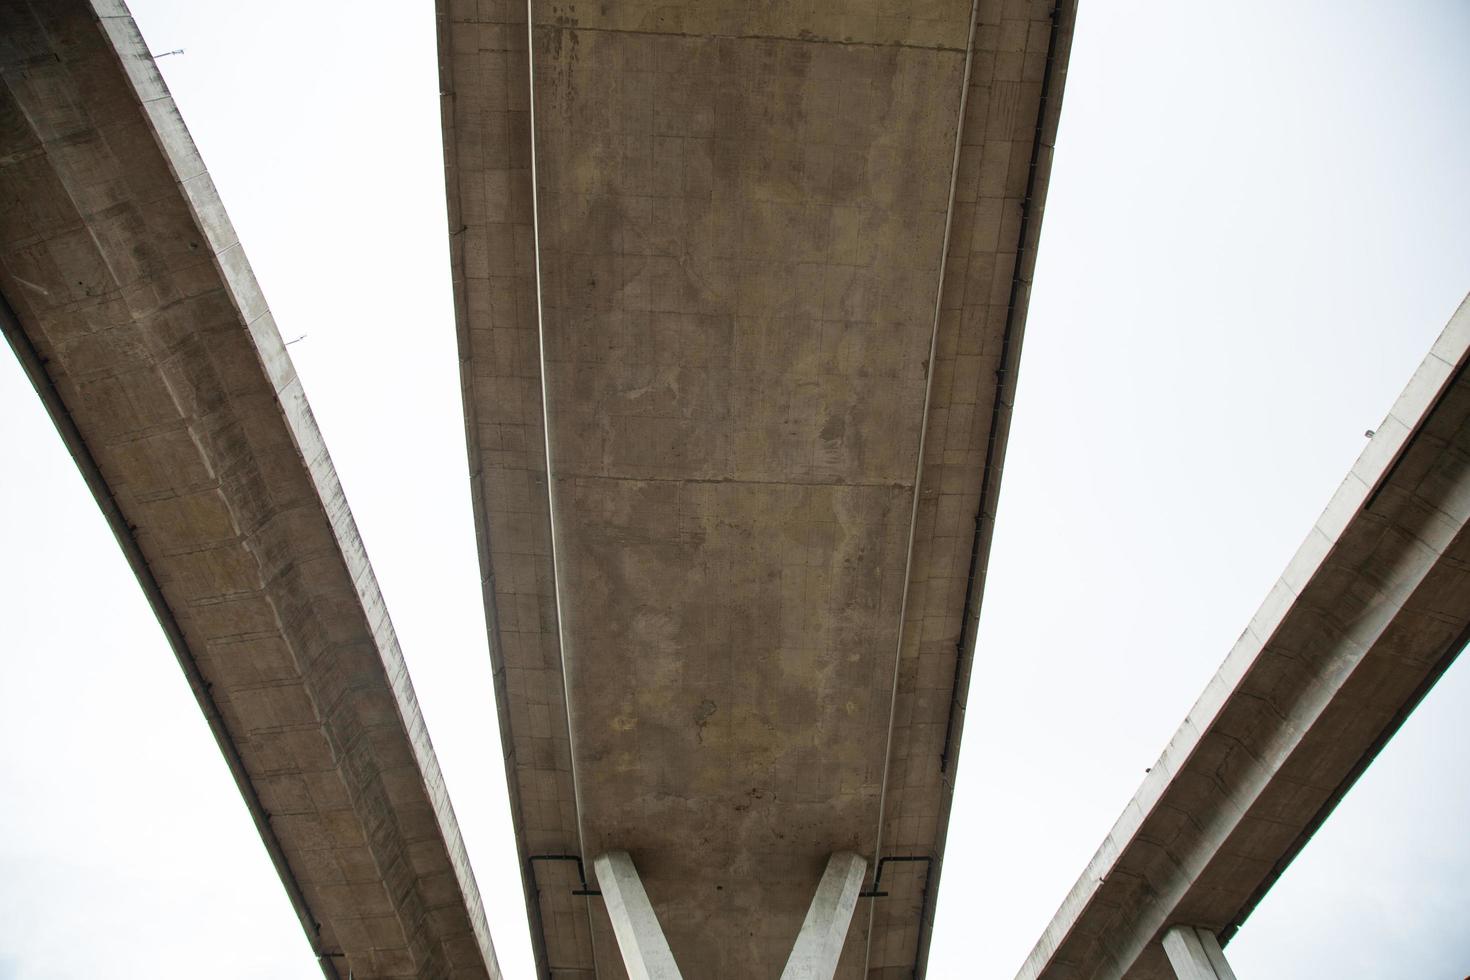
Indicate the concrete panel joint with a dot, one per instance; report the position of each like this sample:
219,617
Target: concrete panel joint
1195,954
819,944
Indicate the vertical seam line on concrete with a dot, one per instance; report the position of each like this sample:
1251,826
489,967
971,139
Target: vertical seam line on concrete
908,566
1004,374
561,645
40,378
457,229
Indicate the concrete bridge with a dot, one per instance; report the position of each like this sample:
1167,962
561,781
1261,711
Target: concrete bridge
1371,611
132,307
740,292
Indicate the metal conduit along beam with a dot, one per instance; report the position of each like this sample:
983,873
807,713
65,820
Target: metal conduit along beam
35,370
1000,409
1000,413
1059,15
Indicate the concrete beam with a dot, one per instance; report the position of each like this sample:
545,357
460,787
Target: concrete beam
646,954
819,944
1368,615
131,305
1195,954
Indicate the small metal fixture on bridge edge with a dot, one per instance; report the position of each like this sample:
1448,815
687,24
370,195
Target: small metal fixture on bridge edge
581,871
878,876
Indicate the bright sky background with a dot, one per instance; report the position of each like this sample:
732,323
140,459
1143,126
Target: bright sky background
1258,222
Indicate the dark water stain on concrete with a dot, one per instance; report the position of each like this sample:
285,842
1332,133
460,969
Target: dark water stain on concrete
702,715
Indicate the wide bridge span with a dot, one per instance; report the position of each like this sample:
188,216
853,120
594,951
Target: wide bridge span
740,290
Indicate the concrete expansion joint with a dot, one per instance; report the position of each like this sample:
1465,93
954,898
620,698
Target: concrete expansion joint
715,36
567,475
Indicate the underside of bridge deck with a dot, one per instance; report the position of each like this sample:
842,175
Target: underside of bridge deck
740,290
128,298
1372,610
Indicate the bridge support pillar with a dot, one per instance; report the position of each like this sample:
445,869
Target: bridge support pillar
819,944
1195,954
641,941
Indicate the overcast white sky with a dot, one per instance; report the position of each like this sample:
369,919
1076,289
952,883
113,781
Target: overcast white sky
1257,224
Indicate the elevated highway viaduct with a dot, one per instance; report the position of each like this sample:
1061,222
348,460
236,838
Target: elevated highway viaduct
1372,609
740,292
129,301
740,289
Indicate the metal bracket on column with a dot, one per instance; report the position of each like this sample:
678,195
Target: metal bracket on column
878,875
581,873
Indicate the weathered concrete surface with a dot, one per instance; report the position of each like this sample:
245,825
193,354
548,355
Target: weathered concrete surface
784,254
1372,609
144,329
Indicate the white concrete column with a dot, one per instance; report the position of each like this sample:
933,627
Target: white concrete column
819,944
1195,954
641,940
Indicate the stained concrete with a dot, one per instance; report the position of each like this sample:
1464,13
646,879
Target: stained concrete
145,331
1370,612
778,244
